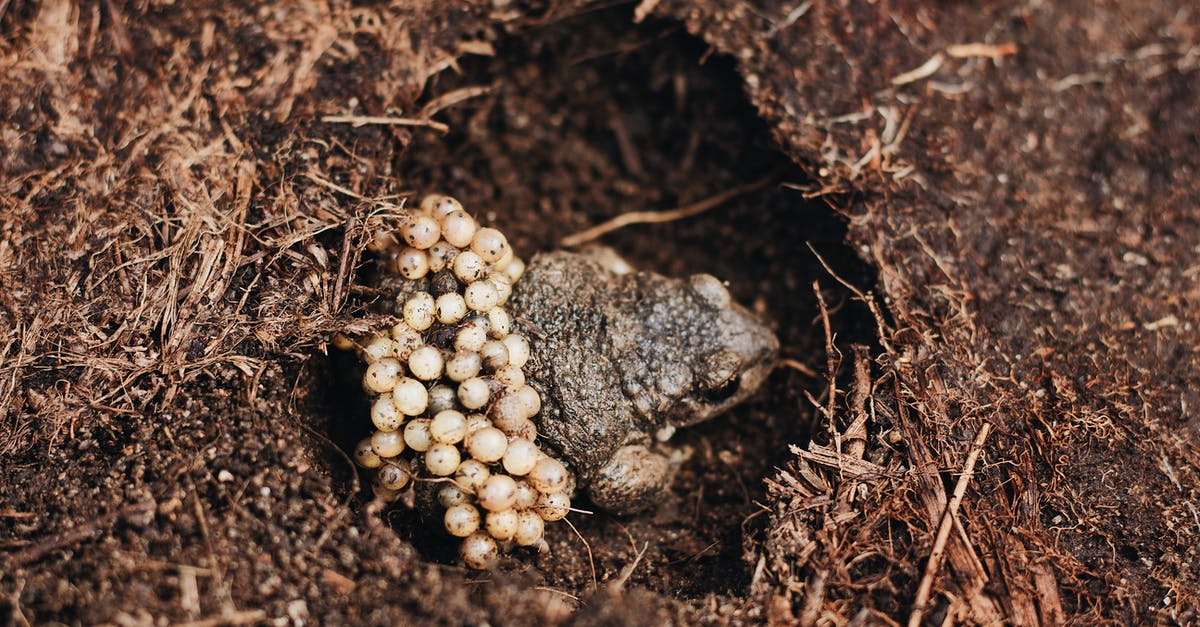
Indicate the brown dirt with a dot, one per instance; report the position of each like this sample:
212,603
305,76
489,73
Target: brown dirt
1020,219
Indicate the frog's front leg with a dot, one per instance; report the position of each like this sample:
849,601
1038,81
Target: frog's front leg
633,480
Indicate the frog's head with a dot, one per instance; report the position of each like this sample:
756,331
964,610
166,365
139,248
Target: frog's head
724,355
739,354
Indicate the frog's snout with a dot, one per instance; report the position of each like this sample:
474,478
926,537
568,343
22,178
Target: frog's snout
759,348
743,358
749,351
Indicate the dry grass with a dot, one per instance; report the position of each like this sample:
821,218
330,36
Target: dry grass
138,256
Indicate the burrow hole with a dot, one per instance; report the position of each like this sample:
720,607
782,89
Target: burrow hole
594,116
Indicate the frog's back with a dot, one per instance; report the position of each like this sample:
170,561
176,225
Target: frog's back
619,355
564,306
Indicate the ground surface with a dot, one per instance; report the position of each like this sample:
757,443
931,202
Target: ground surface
1005,194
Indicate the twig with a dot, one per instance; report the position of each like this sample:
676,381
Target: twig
939,544
625,145
618,584
657,217
117,32
334,186
450,99
555,591
924,71
363,120
958,51
802,368
355,484
591,559
966,51
18,616
644,8
339,285
868,300
855,435
832,364
201,518
814,598
80,533
242,617
850,467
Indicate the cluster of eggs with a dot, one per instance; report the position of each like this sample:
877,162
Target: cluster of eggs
449,399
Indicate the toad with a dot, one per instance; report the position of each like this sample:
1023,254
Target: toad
499,387
622,358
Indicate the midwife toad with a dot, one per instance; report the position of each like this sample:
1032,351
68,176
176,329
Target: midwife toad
620,356
500,388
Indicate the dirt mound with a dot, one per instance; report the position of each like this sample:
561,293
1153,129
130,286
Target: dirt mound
973,229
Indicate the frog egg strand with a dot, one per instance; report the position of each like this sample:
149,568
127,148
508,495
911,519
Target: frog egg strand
450,400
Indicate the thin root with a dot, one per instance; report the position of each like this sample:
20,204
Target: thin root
658,217
363,120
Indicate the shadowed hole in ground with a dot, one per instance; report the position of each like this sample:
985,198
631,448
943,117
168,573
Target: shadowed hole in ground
592,117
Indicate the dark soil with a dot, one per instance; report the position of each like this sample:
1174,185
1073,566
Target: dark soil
1006,237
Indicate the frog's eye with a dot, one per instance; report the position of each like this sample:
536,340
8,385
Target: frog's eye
724,391
722,377
710,290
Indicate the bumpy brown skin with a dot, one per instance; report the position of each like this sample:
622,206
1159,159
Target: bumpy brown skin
618,357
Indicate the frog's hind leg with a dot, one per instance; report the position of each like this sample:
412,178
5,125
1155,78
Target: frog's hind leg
634,479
